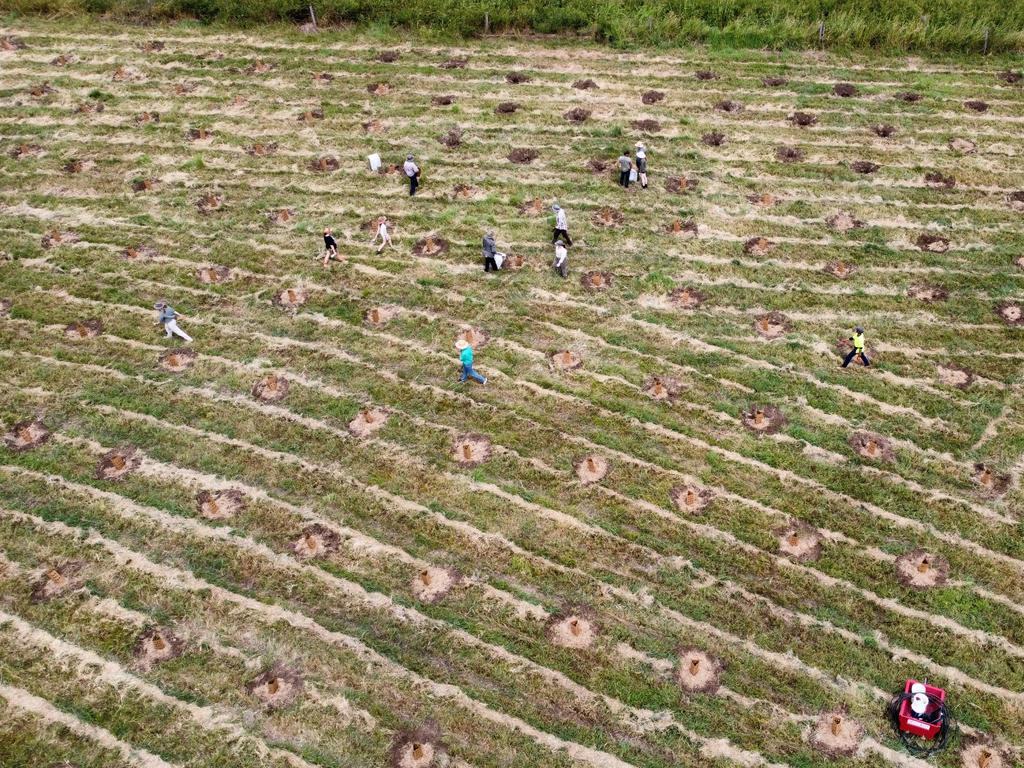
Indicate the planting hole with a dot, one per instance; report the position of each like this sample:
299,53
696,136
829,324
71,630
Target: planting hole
976,106
506,108
679,184
991,482
652,97
270,389
773,82
117,463
953,375
523,155
156,645
845,90
278,687
764,419
800,541
646,126
380,315
1011,312
713,139
686,297
844,222
368,421
836,734
83,329
432,584
932,243
471,450
315,541
920,569
685,229
291,298
325,164
591,469
177,360
57,580
758,246
607,217
596,281
789,154
577,115
213,274
884,130
572,631
26,435
699,672
585,85
565,360
532,208
691,498
803,119
516,78
220,505
431,245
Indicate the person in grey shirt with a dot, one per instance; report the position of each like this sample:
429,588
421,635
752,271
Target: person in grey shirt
413,172
490,248
625,166
561,262
168,318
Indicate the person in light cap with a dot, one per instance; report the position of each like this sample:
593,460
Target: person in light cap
466,358
382,233
413,172
490,248
168,319
641,164
561,225
858,348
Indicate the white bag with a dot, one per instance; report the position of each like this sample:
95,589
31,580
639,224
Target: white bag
632,174
374,162
499,258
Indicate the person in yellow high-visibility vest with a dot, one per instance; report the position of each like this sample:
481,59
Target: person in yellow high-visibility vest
858,348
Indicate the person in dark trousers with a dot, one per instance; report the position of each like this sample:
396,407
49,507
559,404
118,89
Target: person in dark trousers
490,248
641,164
561,262
858,347
413,172
625,166
561,225
466,358
330,246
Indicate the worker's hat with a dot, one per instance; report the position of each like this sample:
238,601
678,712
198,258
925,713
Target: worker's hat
160,304
639,145
556,207
461,344
408,157
327,230
919,703
858,329
917,688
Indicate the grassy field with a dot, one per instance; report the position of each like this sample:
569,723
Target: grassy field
669,531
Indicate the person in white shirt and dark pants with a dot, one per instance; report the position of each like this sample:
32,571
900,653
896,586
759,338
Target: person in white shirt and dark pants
561,225
382,233
413,172
561,262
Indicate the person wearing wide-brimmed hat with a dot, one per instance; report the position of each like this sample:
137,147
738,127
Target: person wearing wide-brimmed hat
413,172
561,225
561,262
490,250
168,319
858,347
641,164
466,358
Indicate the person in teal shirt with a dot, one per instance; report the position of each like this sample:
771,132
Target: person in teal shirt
466,358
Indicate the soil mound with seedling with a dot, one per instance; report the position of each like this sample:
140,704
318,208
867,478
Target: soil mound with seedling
1011,312
177,360
597,165
26,435
869,445
937,179
455,64
572,631
467,192
378,89
388,57
64,59
213,274
41,90
532,208
205,134
270,389
680,184
278,687
932,243
836,734
953,375
11,43
90,108
713,139
585,85
523,155
282,217
803,119
763,419
155,646
927,293
325,164
789,154
910,97
378,316
758,246
662,388
145,118
845,90
921,569
471,450
772,325
773,82
185,88
591,468
315,541
686,297
431,245
884,130
421,748
290,298
431,584
126,75
56,237
652,97
83,329
220,505
844,222
311,115
607,217
1016,200
368,421
77,165
646,126
59,579
210,202
763,200
990,481
698,672
443,101
800,541
514,262
322,78
477,338
577,115
506,107
864,166
730,106
564,360
516,78
982,754
976,106
261,149
691,498
965,146
684,229
118,462
596,280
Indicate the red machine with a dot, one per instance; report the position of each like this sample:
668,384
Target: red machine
921,718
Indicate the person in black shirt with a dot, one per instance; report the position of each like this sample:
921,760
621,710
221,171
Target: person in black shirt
330,246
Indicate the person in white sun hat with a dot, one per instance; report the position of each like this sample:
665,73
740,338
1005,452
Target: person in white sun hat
466,358
920,704
641,164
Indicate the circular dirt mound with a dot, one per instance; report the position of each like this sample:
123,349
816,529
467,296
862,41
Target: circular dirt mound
789,154
772,325
291,298
803,119
596,280
646,125
455,64
523,155
976,106
514,262
705,74
325,164
57,238
205,134
864,166
846,90
452,139
662,388
378,89
698,672
927,293
607,217
177,360
577,115
421,748
388,57
380,315
884,130
869,445
506,108
713,139
836,734
477,338
686,297
773,82
64,59
680,184
278,687
685,229
219,505
910,97
758,246
83,329
117,463
25,150
844,222
965,146
1016,200
691,498
564,360
572,631
281,216
90,108
1011,312
57,580
315,541
144,118
763,200
983,755
213,274
800,541
652,97
730,106
368,421
261,149
921,569
953,375
431,245
532,208
143,185
5,307
77,165
431,584
466,192
322,78
443,101
1009,76
1019,262
270,389
597,165
258,67
763,419
311,115
937,179
210,202
516,78
156,645
471,450
139,252
932,243
26,435
585,85
125,75
11,43
591,468
989,480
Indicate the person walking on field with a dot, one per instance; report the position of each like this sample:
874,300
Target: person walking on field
330,246
490,248
466,358
641,164
413,172
382,233
561,225
625,166
858,348
168,319
561,262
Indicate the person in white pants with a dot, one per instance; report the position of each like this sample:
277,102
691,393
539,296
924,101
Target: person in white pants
382,233
168,319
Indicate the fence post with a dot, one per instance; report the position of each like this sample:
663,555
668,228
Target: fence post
312,16
984,50
821,33
487,23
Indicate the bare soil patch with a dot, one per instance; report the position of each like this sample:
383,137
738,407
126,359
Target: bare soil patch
471,450
662,388
152,46
514,262
59,579
375,127
864,166
1019,263
421,748
983,755
388,57
597,165
220,505
763,200
278,687
607,217
909,97
258,67
991,481
564,360
26,435
884,130
646,125
933,243
758,246
11,43
325,164
596,280
64,59
652,97
845,90
145,118
118,462
5,307
803,119
976,106
773,82
1009,76
431,245
837,734
213,274
506,107
523,155
380,315
143,185
532,208
432,584
937,179
966,146
177,360
517,78
953,375
680,184
56,237
573,630
713,138
291,298
1011,312
705,75
41,90
455,64
77,165
577,115
368,421
477,338
452,139
691,498
927,293
869,445
698,672
686,297
763,419
443,101
125,74
378,89
315,541
210,202
156,645
270,389
729,106
83,329
322,78
591,468
467,192
282,217
684,229
261,149
90,108
800,541
1016,200
585,85
204,134
789,154
311,115
772,325
921,569
844,222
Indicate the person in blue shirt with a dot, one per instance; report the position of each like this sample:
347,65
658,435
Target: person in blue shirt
466,358
168,318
